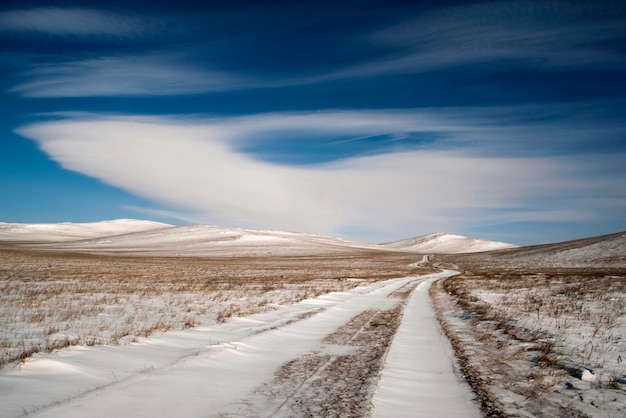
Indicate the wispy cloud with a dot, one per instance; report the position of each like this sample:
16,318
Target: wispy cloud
192,166
77,22
491,36
532,34
124,76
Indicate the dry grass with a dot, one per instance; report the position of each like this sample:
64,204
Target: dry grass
53,300
525,337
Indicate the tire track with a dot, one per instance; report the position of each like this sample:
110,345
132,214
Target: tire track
339,378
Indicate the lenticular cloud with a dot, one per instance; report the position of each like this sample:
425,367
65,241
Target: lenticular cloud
193,166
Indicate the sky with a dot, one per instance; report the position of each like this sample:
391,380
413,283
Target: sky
368,120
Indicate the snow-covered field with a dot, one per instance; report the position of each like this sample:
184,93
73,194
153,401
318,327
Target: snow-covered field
133,318
541,330
541,342
319,357
207,321
54,300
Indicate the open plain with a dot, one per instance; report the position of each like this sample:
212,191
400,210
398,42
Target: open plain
256,323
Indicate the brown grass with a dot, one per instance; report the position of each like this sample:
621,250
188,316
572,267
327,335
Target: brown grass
524,336
54,300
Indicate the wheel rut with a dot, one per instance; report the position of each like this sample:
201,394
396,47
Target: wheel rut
339,377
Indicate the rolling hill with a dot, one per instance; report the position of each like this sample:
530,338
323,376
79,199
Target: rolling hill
439,243
138,237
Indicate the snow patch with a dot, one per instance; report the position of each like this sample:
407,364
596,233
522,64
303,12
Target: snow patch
588,376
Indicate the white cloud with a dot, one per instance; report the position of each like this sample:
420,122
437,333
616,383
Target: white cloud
123,76
191,166
76,22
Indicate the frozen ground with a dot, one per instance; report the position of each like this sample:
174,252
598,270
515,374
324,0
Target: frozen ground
280,363
51,300
205,321
540,342
540,330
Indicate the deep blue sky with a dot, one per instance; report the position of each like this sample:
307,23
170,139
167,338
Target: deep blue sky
371,120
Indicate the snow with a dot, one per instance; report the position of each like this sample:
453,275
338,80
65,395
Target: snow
68,231
439,243
154,238
604,251
541,343
419,374
222,369
209,371
425,259
587,376
190,240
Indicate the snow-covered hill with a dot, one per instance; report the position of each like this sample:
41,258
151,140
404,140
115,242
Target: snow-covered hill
154,238
439,243
141,238
599,251
68,231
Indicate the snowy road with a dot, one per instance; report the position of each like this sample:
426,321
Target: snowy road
419,371
269,364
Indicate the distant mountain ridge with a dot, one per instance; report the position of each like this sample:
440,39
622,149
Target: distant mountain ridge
440,243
